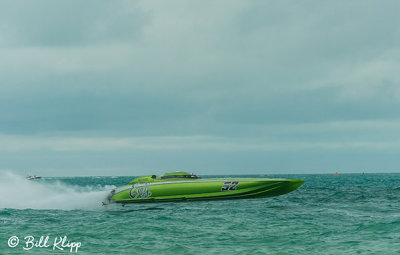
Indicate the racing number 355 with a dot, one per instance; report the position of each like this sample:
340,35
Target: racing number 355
229,185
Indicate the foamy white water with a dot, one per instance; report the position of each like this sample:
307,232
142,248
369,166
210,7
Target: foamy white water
17,192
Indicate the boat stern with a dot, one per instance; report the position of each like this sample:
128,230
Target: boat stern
108,199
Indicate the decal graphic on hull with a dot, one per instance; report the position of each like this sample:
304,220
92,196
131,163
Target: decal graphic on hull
229,185
140,191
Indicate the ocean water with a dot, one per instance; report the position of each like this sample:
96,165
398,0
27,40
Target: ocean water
343,214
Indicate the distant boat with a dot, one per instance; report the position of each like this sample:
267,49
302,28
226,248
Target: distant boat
33,177
336,173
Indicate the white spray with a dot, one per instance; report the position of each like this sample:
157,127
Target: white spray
16,192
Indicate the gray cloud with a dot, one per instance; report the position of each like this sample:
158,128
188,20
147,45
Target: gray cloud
223,70
69,23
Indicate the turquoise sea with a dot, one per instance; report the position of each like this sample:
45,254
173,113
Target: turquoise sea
343,214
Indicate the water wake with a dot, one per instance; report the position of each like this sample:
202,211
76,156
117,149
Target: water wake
16,192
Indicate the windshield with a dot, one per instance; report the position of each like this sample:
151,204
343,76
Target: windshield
190,176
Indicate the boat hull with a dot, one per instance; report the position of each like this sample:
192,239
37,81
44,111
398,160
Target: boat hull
196,190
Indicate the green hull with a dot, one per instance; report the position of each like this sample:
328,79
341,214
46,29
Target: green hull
148,189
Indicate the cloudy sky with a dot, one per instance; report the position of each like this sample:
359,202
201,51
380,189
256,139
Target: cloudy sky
214,87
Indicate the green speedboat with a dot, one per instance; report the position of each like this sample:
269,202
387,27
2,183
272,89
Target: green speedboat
182,186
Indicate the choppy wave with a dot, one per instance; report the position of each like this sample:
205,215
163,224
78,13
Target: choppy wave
329,214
